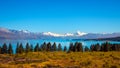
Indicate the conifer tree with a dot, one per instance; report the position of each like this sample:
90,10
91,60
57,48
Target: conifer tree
36,49
0,50
10,50
79,47
4,49
92,47
71,47
21,49
106,46
97,47
54,48
75,49
27,48
44,46
65,48
59,47
48,47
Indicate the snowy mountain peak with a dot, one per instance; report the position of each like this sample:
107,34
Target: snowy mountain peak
24,31
69,34
80,33
64,35
52,34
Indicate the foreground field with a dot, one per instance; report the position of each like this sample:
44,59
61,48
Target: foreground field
61,60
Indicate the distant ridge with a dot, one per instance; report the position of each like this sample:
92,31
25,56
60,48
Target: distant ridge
102,39
25,34
110,39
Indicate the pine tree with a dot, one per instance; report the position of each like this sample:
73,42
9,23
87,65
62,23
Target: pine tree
106,46
92,47
54,48
0,50
118,47
114,47
71,47
48,47
79,47
65,48
102,47
36,49
44,46
97,47
59,47
10,50
75,49
20,49
27,48
4,49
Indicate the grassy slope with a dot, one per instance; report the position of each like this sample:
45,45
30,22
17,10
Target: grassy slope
62,59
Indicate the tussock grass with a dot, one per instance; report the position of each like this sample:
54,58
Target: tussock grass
61,60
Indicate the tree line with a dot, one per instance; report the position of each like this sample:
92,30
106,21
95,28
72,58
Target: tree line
105,47
48,47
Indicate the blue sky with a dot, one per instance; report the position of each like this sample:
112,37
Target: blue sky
61,16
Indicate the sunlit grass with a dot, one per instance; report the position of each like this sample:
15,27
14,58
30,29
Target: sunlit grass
62,59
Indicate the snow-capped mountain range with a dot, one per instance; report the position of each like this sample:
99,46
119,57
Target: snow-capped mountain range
78,33
25,34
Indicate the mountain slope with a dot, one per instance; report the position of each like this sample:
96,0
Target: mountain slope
15,34
25,34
